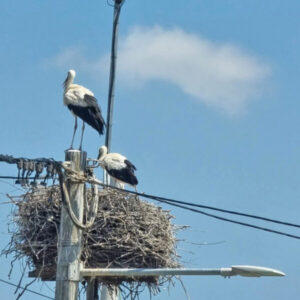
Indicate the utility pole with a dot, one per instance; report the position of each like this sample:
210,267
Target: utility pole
112,75
108,294
69,243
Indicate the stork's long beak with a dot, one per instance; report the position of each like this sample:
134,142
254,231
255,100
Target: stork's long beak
99,155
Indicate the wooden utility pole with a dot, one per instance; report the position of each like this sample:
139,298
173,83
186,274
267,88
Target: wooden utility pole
69,243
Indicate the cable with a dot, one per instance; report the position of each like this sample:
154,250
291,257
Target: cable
234,221
181,204
162,199
31,291
11,159
158,198
14,160
227,211
15,177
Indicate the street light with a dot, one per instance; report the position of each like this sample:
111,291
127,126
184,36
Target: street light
254,271
245,271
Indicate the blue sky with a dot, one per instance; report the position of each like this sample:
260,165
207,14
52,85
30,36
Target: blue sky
206,107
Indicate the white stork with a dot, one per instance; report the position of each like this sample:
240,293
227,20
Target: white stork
82,103
118,167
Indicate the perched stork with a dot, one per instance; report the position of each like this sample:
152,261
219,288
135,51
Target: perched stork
117,166
82,103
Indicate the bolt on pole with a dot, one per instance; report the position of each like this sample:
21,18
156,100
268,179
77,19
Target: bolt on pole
69,243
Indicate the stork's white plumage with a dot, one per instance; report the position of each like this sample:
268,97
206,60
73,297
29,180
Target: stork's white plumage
82,103
117,166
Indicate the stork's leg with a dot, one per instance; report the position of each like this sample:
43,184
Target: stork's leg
75,128
82,131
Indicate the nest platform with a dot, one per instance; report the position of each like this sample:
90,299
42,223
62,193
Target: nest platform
127,233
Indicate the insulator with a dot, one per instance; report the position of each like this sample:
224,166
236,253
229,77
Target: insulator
20,167
50,168
39,166
20,164
31,165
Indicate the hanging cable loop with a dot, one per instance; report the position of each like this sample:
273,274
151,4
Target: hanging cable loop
75,177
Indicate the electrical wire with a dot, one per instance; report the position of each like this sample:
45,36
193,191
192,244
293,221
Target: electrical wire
170,201
186,206
158,198
12,160
229,211
181,204
15,177
233,221
27,290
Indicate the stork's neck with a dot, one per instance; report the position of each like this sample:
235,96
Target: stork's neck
69,80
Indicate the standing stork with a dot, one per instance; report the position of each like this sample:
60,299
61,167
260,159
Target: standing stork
82,103
118,167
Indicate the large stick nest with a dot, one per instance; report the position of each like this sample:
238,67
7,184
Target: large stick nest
127,233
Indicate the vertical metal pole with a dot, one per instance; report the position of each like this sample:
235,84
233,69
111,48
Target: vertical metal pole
107,294
92,289
113,63
69,244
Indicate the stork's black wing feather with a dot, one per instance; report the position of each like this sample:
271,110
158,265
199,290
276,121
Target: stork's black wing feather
125,175
129,164
91,113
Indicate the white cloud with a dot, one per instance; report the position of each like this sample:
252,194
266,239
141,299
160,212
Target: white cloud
219,75
73,58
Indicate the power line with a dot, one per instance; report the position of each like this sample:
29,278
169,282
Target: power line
28,290
172,203
182,204
227,211
15,177
233,221
185,205
11,159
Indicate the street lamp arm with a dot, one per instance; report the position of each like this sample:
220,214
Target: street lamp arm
245,271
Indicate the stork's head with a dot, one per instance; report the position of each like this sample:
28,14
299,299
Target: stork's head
71,73
102,152
69,79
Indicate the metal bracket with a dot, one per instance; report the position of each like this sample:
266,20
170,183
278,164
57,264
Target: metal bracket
74,271
92,163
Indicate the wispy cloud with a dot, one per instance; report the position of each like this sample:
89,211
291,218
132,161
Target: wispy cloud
220,75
